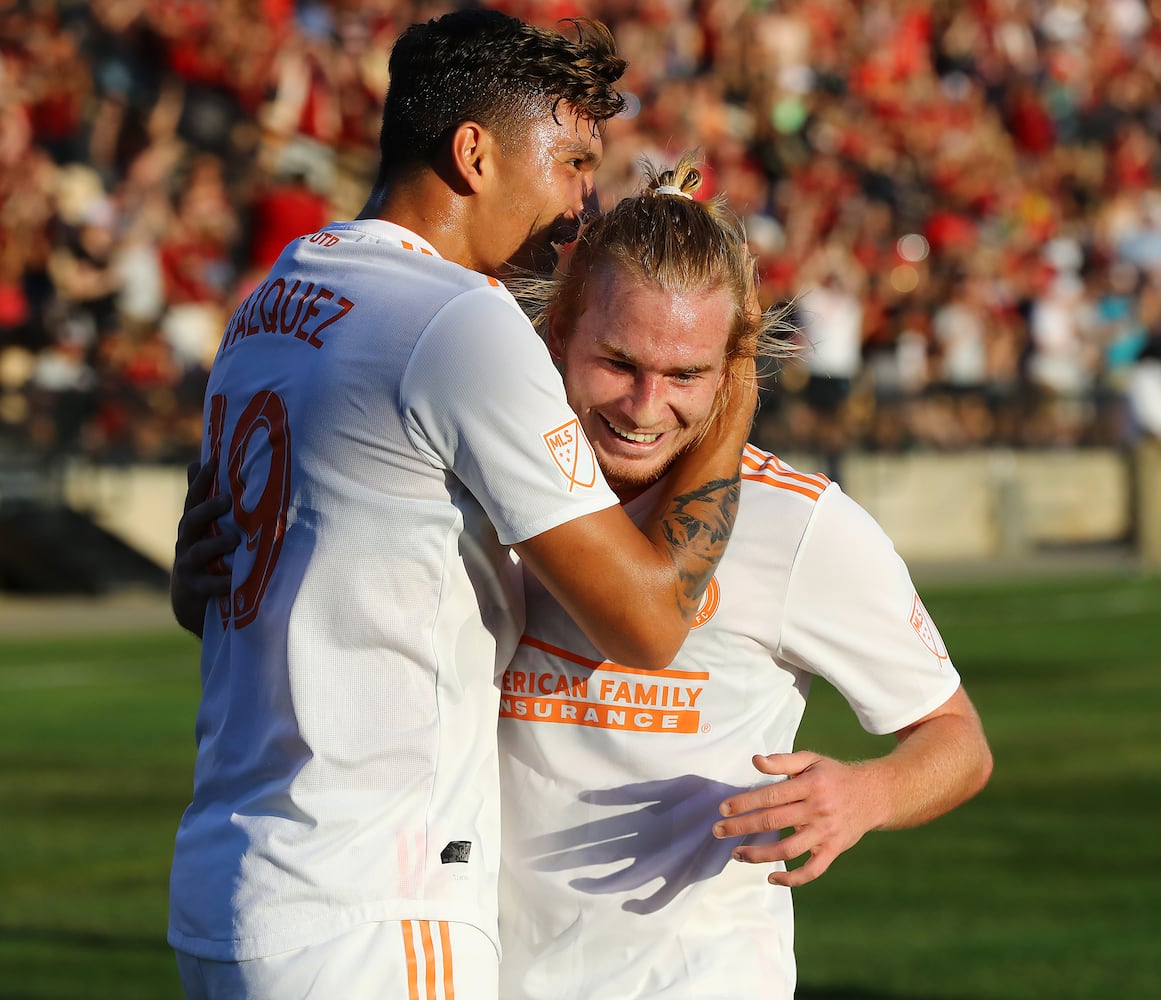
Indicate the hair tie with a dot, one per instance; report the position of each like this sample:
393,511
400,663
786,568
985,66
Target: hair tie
671,189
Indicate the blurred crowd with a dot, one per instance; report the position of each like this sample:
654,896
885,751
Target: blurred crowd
959,201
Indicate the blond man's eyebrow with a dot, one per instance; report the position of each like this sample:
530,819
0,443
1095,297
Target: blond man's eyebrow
623,355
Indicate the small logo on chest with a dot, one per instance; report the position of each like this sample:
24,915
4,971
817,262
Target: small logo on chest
709,603
457,852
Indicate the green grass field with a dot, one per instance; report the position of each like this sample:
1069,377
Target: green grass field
1048,885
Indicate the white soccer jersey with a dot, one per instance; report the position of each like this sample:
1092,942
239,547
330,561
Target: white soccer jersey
387,422
612,885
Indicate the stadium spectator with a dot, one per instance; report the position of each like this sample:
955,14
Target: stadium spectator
988,129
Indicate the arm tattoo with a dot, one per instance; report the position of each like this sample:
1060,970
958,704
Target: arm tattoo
697,526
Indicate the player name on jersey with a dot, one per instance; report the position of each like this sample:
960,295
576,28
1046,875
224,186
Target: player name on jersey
276,307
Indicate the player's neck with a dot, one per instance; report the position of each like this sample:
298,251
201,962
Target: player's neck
423,204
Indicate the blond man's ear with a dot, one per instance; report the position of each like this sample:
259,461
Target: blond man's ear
554,336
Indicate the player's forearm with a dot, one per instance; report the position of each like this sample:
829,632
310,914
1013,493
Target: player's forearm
935,767
694,515
691,530
624,591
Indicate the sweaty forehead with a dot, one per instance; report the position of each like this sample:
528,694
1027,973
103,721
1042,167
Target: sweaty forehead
577,122
653,326
559,125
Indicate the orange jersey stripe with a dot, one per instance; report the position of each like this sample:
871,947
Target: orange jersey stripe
445,941
584,661
412,964
428,956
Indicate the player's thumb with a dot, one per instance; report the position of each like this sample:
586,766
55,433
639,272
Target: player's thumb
785,763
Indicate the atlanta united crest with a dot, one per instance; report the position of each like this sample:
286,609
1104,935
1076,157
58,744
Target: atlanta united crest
573,455
709,603
926,630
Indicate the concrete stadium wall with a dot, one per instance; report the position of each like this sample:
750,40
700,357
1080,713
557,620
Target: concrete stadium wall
972,506
139,504
1148,467
950,508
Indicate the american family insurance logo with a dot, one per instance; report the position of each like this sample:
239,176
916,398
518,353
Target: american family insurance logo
603,695
573,455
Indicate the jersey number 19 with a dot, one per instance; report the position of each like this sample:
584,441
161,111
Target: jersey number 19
263,523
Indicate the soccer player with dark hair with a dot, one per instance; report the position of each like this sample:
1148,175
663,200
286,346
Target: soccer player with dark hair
386,424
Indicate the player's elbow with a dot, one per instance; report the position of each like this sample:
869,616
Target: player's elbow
642,655
654,657
980,755
644,643
975,770
983,771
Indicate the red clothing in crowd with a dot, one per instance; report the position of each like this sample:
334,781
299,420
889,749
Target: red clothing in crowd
280,215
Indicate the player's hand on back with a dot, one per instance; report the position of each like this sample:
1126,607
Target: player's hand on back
198,574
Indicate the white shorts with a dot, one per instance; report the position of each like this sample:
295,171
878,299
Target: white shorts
404,959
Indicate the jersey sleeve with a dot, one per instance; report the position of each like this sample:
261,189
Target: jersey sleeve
853,617
482,399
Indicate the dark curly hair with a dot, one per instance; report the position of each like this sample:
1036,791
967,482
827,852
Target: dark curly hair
484,66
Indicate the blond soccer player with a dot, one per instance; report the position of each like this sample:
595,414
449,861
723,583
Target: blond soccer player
641,811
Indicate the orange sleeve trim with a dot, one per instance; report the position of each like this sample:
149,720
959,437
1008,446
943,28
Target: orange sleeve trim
811,477
805,491
770,469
